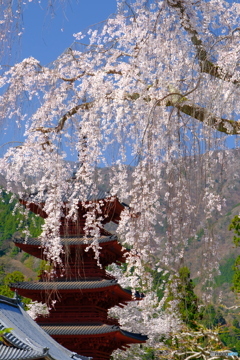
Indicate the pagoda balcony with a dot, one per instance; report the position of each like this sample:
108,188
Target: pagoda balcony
80,272
77,314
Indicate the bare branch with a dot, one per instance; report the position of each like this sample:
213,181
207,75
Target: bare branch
65,117
70,113
226,126
206,65
177,100
109,72
11,142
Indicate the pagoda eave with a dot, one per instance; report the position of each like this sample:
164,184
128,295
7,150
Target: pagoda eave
111,252
35,208
32,250
103,343
40,290
94,330
110,207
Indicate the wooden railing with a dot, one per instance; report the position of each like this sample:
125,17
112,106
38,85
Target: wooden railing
76,314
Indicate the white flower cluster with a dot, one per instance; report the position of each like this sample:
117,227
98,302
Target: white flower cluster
36,309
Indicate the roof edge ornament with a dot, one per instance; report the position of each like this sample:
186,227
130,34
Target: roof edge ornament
17,298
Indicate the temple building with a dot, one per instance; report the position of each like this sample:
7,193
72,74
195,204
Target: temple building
84,293
23,338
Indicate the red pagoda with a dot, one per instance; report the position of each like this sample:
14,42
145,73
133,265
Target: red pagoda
79,319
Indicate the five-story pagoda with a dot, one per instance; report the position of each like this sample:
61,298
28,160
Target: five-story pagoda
85,291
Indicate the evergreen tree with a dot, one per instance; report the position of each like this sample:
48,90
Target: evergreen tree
235,226
181,290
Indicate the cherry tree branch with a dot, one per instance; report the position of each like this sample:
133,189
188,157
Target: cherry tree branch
226,126
206,65
197,112
65,117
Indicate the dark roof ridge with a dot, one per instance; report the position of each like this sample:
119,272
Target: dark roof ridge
134,335
13,302
81,238
89,328
81,284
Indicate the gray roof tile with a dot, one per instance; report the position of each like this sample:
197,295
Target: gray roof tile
64,285
27,336
12,353
89,330
79,240
79,329
91,195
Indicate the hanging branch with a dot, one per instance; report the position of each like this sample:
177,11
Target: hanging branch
206,66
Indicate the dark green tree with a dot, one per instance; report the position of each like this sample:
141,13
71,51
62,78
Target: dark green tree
235,226
181,288
212,317
15,276
11,223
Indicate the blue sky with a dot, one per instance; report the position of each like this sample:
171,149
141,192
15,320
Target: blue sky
46,36
48,33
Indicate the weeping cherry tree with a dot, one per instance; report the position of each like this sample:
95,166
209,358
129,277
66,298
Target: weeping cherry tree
151,95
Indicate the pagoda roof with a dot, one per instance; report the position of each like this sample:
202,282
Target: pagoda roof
109,243
27,340
110,206
66,285
68,241
98,194
88,330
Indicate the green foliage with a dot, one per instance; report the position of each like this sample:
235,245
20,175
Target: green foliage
149,354
236,276
236,323
230,272
212,317
5,331
181,288
160,280
15,276
29,263
9,222
226,272
235,225
14,252
24,256
230,336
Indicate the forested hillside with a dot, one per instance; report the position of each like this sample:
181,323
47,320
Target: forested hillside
13,223
11,219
